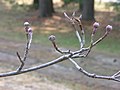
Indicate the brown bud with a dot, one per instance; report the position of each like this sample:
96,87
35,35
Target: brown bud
52,38
96,25
108,28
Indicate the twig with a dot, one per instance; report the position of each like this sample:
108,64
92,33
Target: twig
78,20
81,53
12,73
72,20
52,39
22,62
29,40
93,75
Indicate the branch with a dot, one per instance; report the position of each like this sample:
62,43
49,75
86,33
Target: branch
12,73
78,20
22,62
93,75
52,39
73,21
68,54
29,40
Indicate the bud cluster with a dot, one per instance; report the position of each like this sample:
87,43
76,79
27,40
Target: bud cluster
27,27
96,25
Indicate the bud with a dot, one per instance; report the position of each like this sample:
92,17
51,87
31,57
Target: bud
96,25
29,29
108,28
52,38
26,24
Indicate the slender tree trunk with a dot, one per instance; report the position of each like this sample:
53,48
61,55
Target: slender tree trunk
88,10
36,4
46,8
52,8
80,5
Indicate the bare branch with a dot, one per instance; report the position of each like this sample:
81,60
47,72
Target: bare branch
78,20
68,54
82,37
12,73
73,20
29,40
22,62
52,39
117,74
93,75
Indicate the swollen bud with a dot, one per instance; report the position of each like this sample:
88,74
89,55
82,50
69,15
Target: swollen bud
96,25
29,29
52,38
26,24
108,28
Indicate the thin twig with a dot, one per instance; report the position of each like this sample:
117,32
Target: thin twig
78,20
29,40
100,39
117,74
52,39
96,42
22,62
93,75
65,54
12,73
72,20
77,34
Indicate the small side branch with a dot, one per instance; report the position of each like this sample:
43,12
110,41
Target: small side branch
52,39
29,40
78,20
12,73
22,62
92,43
68,54
73,21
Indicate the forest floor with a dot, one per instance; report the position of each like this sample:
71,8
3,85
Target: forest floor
62,76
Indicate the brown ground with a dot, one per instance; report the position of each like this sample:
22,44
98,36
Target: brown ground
63,72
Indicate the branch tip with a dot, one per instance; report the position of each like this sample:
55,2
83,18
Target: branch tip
26,24
52,38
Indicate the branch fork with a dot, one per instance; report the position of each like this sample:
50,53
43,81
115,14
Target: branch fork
82,52
29,40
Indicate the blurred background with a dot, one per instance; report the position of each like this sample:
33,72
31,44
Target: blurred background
46,18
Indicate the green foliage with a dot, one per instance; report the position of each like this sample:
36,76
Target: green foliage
17,6
69,1
116,6
11,1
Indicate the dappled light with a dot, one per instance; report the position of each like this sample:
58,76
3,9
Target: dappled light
104,59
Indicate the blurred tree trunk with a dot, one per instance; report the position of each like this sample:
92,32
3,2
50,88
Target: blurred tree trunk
36,4
88,10
46,8
80,5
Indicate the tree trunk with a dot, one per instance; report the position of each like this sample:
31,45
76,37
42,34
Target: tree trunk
88,10
36,4
80,5
46,8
